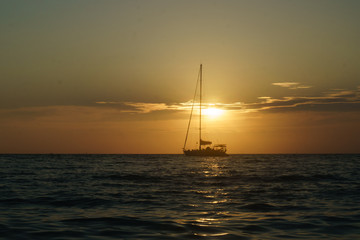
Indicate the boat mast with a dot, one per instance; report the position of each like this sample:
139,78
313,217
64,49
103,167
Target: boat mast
192,109
200,106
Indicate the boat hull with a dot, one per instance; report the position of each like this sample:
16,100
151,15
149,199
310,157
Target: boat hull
205,152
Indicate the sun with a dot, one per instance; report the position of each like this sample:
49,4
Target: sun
213,112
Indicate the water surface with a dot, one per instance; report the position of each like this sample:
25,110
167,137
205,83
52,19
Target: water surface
178,197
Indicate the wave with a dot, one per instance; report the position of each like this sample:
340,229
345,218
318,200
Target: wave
277,178
131,177
80,202
170,197
262,207
127,221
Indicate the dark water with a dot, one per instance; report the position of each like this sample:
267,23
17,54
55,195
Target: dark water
177,197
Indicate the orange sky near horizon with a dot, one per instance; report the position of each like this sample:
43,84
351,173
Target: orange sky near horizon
88,130
118,76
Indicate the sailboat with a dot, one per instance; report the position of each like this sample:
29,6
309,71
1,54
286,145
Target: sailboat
205,147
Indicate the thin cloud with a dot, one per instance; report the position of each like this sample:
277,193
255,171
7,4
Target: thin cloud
147,107
335,100
290,85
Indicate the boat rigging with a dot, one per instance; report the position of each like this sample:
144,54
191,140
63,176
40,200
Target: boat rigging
215,150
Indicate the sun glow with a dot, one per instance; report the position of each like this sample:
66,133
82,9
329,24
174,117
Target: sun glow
213,112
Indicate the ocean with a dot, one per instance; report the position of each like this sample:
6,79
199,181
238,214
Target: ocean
177,197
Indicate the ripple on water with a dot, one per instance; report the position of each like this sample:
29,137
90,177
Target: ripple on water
173,197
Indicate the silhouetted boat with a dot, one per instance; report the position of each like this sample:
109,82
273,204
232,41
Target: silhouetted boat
215,150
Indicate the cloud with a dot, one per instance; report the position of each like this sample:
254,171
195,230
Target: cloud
142,107
334,100
290,85
147,107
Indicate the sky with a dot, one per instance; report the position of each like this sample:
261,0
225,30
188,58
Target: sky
119,76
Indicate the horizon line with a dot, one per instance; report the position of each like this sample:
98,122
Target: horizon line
345,153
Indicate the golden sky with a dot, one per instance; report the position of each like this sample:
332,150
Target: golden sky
118,76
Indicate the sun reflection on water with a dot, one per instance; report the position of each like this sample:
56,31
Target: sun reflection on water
210,234
212,198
